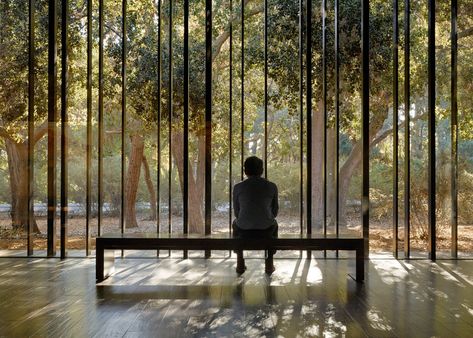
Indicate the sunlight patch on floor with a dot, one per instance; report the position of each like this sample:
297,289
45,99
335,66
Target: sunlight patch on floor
296,271
202,272
377,321
454,267
390,271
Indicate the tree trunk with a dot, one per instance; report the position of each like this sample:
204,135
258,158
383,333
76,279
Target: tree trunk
354,160
346,174
18,168
331,171
196,218
133,179
200,172
149,185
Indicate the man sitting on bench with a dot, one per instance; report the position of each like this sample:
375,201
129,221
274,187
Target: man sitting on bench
255,203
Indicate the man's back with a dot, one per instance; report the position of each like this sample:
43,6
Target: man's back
255,202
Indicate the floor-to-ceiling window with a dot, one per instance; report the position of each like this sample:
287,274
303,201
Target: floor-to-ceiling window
138,114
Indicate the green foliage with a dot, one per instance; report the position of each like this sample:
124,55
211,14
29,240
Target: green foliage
144,96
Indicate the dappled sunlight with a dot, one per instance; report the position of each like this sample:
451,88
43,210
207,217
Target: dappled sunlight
332,326
306,320
198,297
390,271
453,268
438,293
436,268
377,320
126,124
215,271
296,271
469,309
222,320
407,265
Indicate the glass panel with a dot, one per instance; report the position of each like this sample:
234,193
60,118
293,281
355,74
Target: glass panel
141,111
465,138
112,118
331,126
77,138
381,125
350,120
177,149
284,110
443,131
283,119
93,222
14,127
196,117
418,130
220,116
317,187
41,116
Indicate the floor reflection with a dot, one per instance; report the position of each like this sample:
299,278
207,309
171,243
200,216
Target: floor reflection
205,298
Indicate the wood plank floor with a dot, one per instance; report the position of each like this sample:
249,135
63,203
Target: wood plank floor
205,298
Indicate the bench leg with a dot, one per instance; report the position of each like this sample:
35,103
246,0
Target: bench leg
104,263
360,265
240,259
99,263
309,254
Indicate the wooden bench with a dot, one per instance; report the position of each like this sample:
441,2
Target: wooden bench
106,244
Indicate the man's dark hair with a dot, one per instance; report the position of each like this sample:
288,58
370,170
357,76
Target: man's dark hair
253,166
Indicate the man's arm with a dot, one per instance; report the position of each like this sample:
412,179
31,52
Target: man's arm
236,203
275,204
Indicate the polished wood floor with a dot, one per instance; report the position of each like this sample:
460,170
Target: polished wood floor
205,298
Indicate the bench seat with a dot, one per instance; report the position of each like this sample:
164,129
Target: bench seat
107,243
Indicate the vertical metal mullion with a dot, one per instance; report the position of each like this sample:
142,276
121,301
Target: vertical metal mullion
100,120
337,118
395,125
208,119
308,69
64,125
266,88
324,93
365,11
170,112
454,127
52,119
230,123
407,139
242,149
123,120
89,129
431,130
301,118
158,136
31,104
186,122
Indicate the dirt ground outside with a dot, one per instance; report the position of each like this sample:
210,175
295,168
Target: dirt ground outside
381,234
